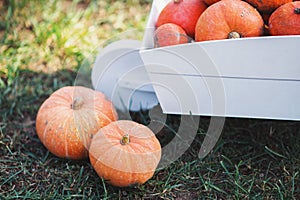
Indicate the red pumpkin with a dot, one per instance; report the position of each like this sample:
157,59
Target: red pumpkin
267,6
125,153
67,120
285,20
184,13
169,34
228,19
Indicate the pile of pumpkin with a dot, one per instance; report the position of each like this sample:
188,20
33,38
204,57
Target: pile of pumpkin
77,122
183,21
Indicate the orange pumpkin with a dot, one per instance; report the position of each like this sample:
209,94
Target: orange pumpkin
184,13
169,34
125,153
67,120
267,6
285,20
228,19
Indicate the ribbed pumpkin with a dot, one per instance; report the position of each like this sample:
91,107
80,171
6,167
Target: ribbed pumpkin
169,34
184,13
67,120
228,19
285,20
267,6
125,153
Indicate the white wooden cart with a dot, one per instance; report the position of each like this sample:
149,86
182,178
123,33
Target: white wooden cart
255,77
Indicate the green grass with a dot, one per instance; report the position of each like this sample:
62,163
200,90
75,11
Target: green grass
43,45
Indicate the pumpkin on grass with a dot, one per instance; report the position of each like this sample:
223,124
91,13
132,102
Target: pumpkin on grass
285,20
125,153
228,19
67,120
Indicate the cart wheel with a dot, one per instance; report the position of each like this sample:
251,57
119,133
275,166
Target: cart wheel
120,74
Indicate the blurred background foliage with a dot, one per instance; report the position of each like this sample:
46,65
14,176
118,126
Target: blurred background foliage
46,36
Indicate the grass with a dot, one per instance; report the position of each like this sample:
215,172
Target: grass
44,43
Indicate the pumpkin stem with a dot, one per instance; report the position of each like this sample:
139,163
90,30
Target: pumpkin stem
77,103
234,35
125,139
297,10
